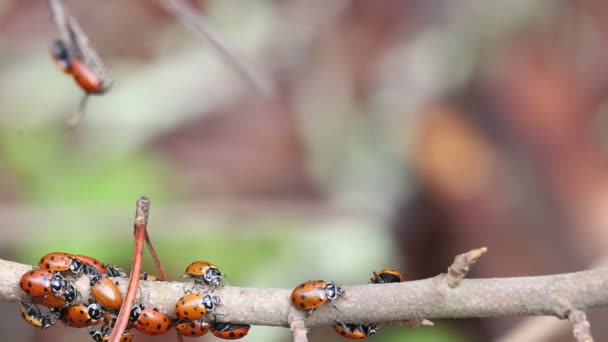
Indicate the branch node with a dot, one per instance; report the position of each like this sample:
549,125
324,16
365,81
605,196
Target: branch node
461,266
298,329
581,328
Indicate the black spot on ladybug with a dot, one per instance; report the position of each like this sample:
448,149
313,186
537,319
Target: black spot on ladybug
232,334
302,305
158,326
343,333
47,265
302,286
29,283
302,296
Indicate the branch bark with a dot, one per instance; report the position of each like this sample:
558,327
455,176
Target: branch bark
555,295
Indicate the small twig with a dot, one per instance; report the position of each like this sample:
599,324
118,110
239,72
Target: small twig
462,263
415,323
298,329
140,223
199,24
580,326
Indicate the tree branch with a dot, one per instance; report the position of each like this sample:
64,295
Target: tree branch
580,326
555,295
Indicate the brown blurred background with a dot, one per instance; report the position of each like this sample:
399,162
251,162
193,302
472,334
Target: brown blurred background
394,134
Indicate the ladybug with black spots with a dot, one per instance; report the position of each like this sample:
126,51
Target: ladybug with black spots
194,328
230,331
204,273
41,282
56,262
355,331
314,293
194,306
81,316
150,321
386,276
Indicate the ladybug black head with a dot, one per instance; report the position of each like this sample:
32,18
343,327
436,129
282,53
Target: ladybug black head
94,311
57,282
210,301
135,312
70,293
333,291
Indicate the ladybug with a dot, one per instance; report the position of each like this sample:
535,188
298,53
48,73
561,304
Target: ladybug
87,265
56,262
86,78
230,331
192,328
204,273
150,321
103,335
32,315
386,276
41,282
106,292
112,271
80,316
355,331
148,277
314,293
61,55
194,306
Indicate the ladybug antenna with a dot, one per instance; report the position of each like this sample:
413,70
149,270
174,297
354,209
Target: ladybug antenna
226,278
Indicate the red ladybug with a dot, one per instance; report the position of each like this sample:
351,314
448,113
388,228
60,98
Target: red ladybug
87,265
80,316
61,55
386,276
86,78
106,292
56,261
41,282
32,316
230,331
194,306
204,272
150,321
355,331
192,328
314,293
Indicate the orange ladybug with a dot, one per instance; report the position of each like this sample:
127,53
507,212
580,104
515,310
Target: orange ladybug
386,276
150,321
80,316
193,306
204,272
41,282
314,293
106,292
355,331
56,261
194,328
230,331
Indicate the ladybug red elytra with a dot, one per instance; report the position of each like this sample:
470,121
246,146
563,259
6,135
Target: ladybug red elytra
386,276
204,272
230,331
32,316
106,292
80,316
61,55
194,306
150,321
355,331
314,293
194,328
56,261
41,282
90,82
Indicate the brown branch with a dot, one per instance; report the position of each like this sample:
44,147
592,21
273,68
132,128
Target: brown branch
462,264
580,326
554,295
298,329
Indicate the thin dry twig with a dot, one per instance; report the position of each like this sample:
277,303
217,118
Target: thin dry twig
298,329
461,266
580,326
199,24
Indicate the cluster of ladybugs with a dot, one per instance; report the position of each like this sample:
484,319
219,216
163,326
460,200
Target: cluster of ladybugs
310,295
52,285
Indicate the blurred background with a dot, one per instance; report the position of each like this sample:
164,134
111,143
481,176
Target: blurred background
393,134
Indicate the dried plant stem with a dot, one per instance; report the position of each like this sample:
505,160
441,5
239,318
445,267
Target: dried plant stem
580,326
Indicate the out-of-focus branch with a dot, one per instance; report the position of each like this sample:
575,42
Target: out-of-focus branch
199,24
580,326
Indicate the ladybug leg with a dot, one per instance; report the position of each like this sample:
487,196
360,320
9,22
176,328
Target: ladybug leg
334,305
